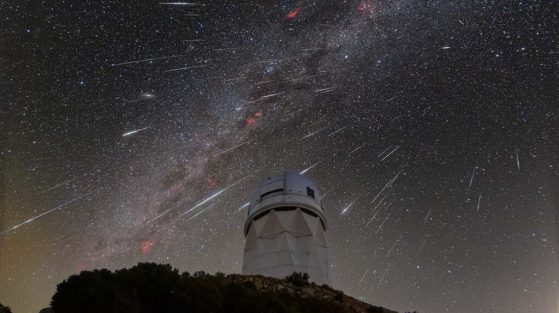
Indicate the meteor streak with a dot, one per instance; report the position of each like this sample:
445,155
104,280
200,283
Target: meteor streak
243,206
56,186
135,131
383,152
393,246
180,3
271,95
197,205
291,113
422,245
309,168
478,201
390,182
200,212
337,131
427,216
355,150
227,49
344,211
206,200
363,277
472,178
265,97
375,211
185,68
210,197
47,212
325,90
383,276
382,224
148,60
517,159
397,147
313,133
232,148
327,192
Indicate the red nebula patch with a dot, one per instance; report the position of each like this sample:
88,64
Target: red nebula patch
366,7
250,121
146,246
293,14
210,183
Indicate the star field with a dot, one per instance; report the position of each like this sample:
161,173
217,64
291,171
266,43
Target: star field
135,132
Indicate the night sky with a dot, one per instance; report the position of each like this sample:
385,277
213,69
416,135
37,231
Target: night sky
135,132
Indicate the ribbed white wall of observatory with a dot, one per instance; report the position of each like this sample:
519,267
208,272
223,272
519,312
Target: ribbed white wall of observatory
282,242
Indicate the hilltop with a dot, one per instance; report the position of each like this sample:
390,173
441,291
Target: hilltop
149,287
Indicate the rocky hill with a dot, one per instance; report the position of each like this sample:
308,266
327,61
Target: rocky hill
149,288
298,286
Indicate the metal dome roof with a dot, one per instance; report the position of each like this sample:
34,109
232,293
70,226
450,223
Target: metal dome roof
287,189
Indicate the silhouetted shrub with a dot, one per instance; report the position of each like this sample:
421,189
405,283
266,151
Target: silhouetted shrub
339,296
298,279
375,309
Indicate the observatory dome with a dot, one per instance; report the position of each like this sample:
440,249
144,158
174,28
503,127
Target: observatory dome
285,229
287,189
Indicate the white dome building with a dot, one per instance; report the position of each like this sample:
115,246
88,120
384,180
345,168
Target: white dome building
285,230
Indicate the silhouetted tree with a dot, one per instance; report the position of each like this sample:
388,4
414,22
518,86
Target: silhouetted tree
5,309
87,292
147,288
